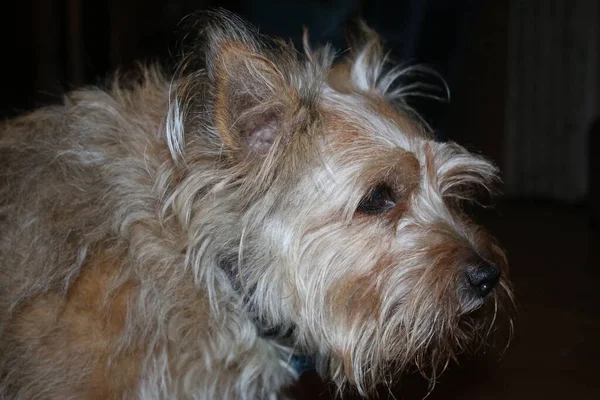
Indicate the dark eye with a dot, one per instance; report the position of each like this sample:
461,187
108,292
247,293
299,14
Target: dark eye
379,200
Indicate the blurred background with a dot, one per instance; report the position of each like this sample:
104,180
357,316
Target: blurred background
525,82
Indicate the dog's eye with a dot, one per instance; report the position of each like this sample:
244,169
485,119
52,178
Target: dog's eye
379,200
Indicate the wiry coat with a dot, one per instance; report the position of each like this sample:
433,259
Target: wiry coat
150,234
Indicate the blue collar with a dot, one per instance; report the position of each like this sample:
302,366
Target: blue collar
301,363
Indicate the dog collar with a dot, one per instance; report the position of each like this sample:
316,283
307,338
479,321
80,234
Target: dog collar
301,363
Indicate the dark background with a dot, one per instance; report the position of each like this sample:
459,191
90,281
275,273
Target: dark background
524,77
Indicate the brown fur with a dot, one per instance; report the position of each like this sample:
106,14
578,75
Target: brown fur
80,329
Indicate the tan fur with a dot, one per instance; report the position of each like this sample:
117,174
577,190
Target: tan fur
81,330
183,237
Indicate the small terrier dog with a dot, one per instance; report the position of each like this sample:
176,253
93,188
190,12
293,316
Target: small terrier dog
188,237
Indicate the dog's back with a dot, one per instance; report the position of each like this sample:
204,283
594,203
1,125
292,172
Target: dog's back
68,176
94,301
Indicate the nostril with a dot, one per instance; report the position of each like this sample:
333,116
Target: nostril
483,277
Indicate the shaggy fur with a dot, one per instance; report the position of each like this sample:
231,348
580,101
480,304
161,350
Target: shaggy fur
183,237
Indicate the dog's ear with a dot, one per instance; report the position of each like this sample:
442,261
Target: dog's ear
248,108
367,58
249,90
370,70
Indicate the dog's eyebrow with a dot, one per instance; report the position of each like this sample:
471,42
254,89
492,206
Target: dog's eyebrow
406,166
396,167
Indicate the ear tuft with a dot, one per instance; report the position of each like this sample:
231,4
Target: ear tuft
370,71
368,59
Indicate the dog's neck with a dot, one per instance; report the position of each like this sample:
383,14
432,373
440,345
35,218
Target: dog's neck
282,335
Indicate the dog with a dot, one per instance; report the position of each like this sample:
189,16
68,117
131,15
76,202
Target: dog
198,235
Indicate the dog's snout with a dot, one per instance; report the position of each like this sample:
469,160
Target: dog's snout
483,277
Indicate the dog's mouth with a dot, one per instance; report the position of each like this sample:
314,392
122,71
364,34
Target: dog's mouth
471,304
479,307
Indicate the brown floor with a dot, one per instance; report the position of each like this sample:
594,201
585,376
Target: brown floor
555,354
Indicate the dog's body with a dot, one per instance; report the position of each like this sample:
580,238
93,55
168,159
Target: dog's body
183,238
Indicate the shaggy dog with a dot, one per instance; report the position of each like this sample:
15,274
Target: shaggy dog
188,236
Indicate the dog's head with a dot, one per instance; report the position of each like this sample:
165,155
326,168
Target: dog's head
345,222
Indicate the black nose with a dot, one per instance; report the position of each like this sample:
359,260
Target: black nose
483,277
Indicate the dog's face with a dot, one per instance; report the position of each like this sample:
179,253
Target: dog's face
352,230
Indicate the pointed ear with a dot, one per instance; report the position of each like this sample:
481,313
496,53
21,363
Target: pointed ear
369,69
367,56
249,104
